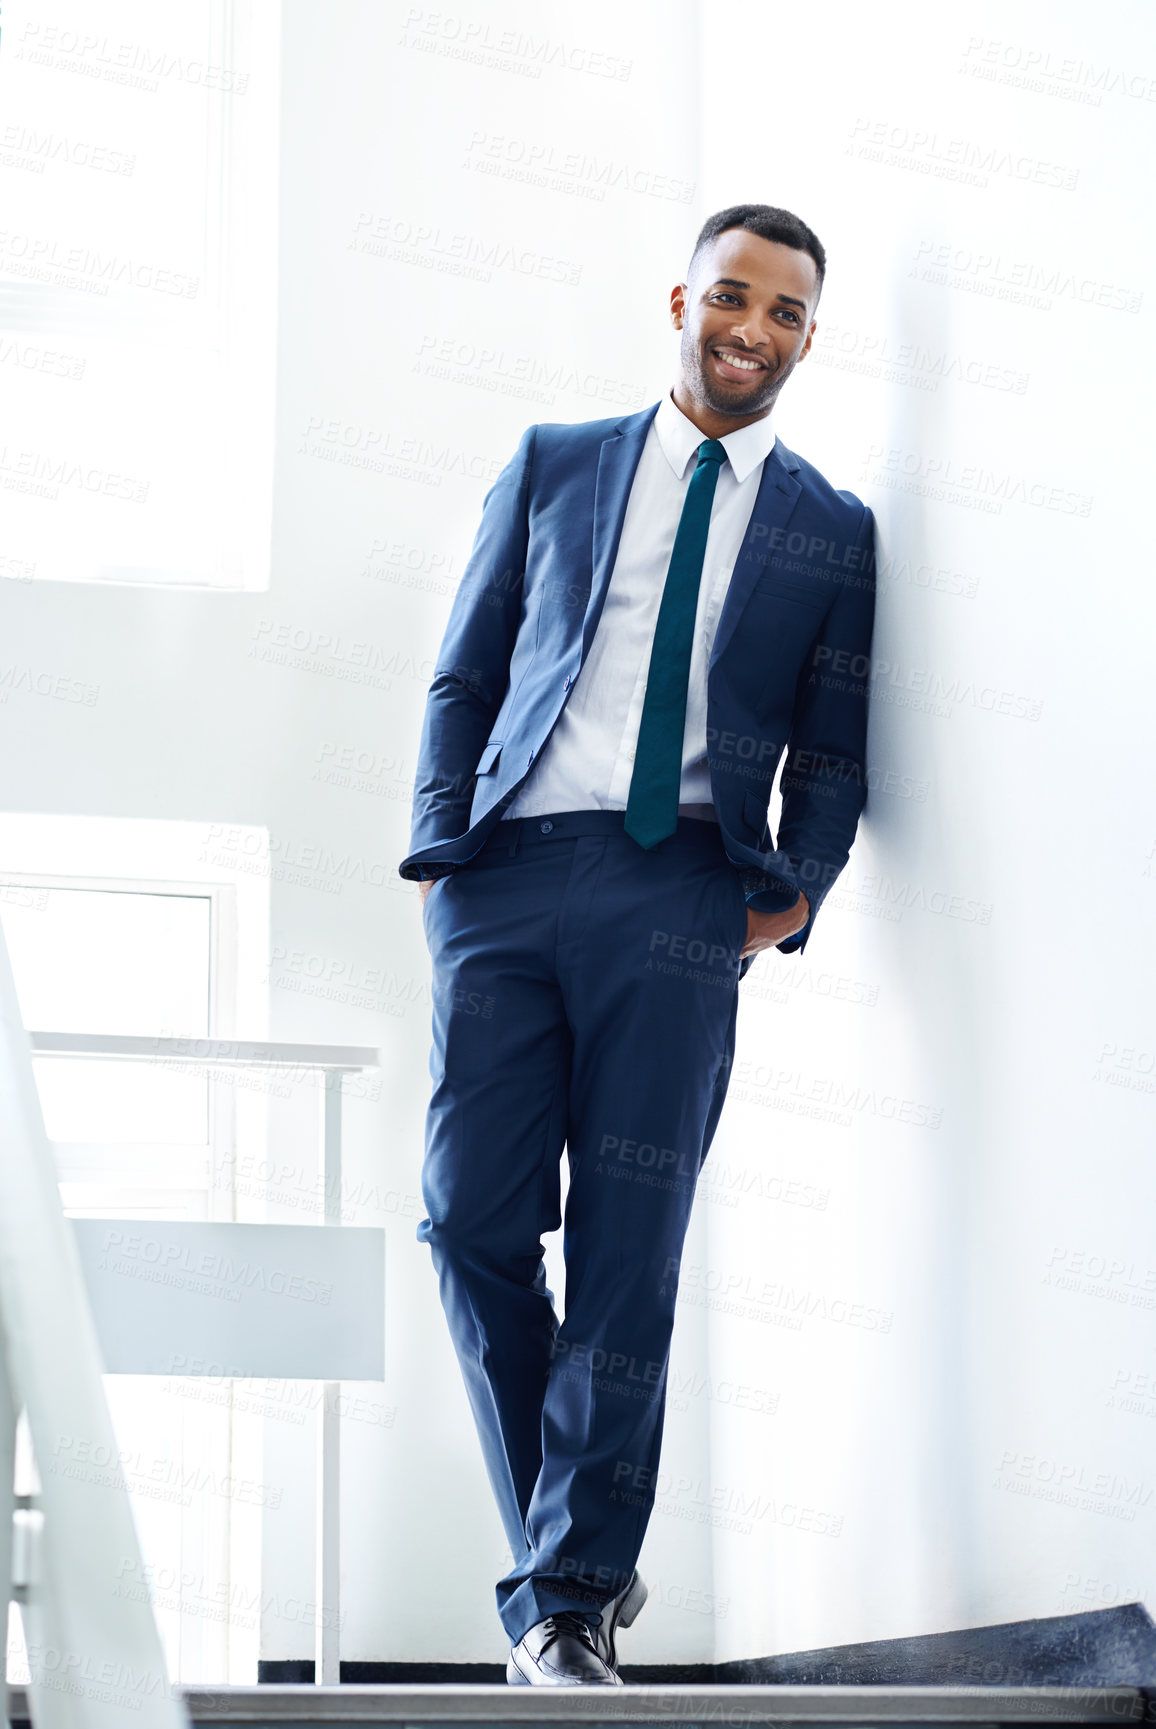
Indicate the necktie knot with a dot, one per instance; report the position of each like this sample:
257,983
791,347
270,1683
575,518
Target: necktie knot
710,450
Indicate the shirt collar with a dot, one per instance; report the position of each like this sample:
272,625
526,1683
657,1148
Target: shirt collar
679,437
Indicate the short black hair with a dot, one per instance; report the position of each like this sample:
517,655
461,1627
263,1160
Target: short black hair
769,223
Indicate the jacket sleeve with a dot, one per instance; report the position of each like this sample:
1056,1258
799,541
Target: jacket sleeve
824,783
471,673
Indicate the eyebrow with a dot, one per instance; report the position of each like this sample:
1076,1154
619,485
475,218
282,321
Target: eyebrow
733,282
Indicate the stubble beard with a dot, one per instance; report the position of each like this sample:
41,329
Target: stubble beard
693,356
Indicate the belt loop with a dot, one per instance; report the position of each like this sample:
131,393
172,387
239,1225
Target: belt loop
515,826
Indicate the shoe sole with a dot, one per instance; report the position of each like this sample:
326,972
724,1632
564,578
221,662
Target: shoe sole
515,1678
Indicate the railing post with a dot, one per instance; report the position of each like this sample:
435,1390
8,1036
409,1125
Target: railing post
327,1649
7,1500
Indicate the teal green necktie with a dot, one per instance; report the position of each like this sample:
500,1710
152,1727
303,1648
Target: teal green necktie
652,805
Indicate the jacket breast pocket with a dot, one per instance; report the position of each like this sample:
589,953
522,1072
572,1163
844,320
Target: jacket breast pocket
488,760
796,593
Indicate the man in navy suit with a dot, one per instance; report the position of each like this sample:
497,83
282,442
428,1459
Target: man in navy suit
656,608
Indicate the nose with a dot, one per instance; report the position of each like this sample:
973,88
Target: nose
751,330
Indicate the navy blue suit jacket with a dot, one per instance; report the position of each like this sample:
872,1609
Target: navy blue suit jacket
788,670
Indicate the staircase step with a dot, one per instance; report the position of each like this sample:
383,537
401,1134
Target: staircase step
299,1707
1098,1667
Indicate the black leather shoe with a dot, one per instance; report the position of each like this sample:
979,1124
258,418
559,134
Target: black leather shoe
559,1652
621,1611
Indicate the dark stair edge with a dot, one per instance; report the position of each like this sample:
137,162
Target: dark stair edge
1114,1647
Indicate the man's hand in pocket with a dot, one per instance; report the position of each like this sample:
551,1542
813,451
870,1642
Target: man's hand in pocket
764,930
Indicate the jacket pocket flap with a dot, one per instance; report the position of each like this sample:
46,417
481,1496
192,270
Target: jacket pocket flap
488,758
817,593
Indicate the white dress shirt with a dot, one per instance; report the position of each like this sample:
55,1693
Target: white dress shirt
588,759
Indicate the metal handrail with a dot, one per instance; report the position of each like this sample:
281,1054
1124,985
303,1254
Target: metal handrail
257,1053
334,1061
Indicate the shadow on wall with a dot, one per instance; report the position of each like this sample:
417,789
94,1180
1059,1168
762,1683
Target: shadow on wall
929,965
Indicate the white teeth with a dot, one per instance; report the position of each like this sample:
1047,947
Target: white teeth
746,365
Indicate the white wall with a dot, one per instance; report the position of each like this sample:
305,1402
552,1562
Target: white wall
236,709
980,970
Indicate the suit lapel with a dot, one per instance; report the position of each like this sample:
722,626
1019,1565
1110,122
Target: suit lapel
618,459
617,462
774,503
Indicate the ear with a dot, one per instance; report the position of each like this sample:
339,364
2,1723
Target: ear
678,305
806,348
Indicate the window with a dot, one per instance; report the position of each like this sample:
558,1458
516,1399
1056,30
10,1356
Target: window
138,292
119,960
154,954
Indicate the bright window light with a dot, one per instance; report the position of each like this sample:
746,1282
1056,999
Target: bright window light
98,962
138,291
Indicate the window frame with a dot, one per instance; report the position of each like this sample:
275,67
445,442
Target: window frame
131,1169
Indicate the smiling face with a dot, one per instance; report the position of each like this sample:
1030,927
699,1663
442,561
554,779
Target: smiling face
746,322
